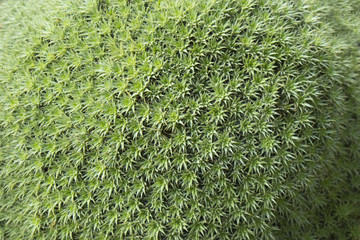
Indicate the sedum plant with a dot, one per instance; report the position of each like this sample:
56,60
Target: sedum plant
178,119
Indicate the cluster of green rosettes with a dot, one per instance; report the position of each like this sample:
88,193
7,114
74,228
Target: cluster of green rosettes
209,119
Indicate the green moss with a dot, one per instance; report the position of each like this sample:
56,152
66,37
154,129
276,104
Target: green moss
178,120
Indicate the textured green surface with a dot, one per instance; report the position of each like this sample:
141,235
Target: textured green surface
179,120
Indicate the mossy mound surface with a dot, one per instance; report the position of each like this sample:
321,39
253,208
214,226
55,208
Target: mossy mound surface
177,120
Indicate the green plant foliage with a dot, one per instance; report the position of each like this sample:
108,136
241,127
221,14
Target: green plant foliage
178,119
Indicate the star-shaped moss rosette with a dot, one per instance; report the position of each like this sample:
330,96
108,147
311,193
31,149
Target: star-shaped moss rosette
177,120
